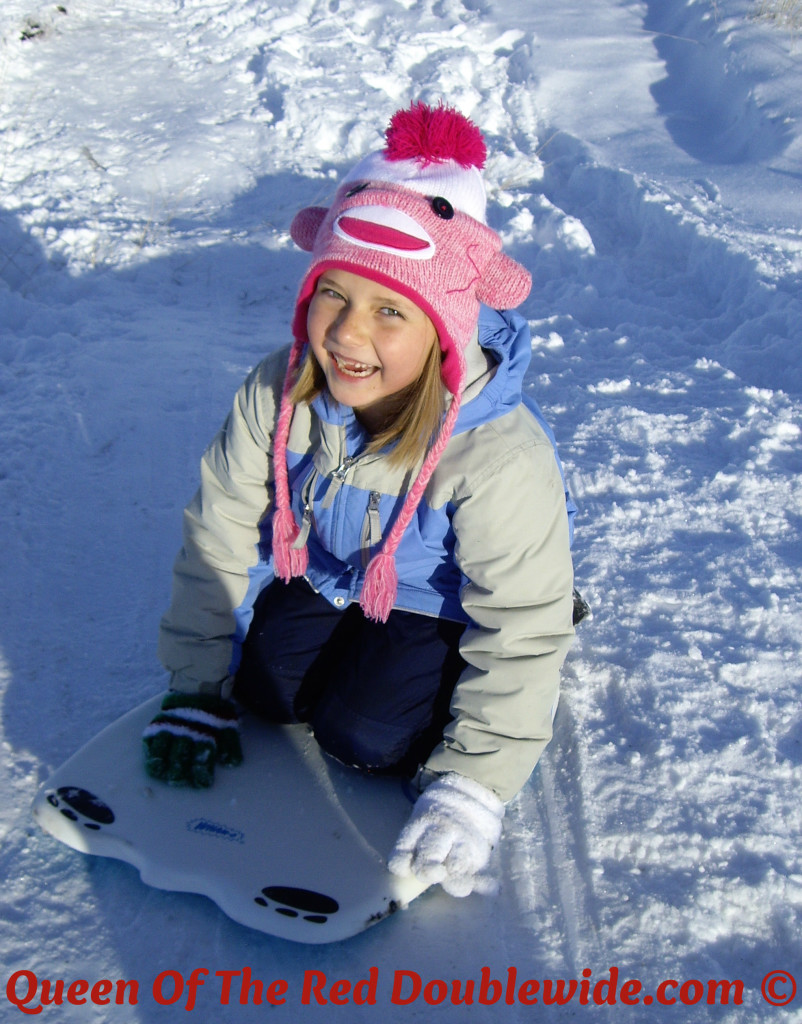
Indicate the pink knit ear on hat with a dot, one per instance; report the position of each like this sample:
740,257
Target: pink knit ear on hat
305,226
504,284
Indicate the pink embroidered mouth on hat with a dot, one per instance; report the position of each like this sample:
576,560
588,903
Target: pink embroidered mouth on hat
385,229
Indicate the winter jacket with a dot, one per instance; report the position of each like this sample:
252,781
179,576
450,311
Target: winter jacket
489,546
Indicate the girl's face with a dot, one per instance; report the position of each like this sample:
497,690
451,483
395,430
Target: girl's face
370,341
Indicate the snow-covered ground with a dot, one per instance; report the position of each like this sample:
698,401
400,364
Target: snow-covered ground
647,167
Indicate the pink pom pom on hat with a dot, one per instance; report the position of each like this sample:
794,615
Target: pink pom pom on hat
411,217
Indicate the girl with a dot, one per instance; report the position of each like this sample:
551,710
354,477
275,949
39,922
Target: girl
380,543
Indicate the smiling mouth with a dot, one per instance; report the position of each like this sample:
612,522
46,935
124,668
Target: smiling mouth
350,368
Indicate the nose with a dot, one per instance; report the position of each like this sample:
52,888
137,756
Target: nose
349,328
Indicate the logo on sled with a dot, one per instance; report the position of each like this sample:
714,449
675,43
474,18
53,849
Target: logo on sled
213,828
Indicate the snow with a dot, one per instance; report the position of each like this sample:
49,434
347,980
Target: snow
647,167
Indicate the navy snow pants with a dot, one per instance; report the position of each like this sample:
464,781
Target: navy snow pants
376,695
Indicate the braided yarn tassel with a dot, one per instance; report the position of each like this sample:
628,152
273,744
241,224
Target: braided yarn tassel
288,559
381,577
380,587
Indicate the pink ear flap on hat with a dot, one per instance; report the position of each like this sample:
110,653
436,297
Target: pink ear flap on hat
305,226
504,284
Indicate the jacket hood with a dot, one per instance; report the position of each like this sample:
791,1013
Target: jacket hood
497,359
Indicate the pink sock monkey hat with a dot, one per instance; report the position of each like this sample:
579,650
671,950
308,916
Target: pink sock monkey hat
411,217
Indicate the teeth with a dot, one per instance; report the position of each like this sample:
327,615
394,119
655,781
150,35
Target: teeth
354,369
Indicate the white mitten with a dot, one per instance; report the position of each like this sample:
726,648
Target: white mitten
450,835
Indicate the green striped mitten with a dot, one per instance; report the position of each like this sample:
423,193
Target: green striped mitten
191,733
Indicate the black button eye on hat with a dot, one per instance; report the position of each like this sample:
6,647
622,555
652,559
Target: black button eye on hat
442,208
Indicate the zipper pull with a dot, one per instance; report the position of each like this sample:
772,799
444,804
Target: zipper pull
337,479
342,469
306,526
374,518
372,531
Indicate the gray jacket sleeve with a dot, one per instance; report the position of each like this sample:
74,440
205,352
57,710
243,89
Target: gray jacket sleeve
513,548
221,538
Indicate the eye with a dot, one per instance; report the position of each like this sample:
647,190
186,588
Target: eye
356,189
442,208
328,292
390,311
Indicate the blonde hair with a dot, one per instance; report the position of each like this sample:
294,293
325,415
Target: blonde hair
414,416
